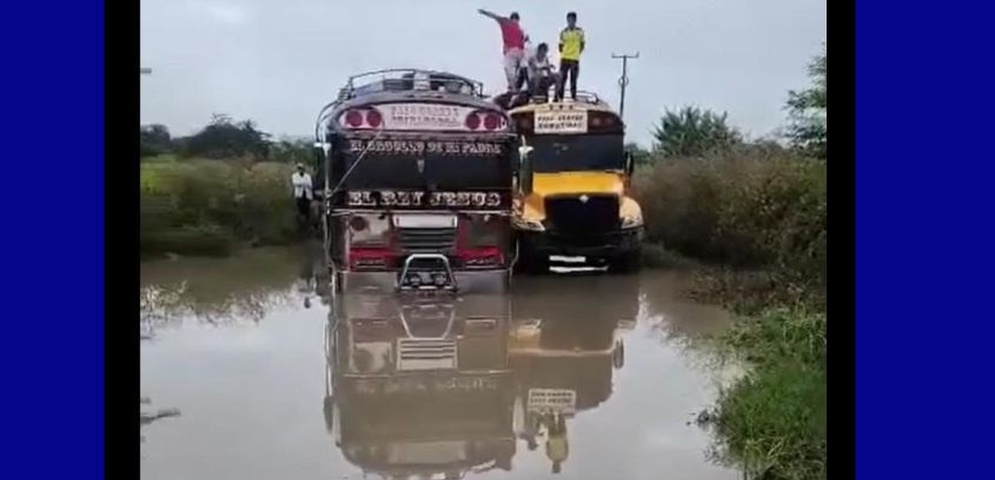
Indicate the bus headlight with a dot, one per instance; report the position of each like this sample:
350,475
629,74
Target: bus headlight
632,222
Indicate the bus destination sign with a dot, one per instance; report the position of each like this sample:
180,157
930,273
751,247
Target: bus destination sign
561,121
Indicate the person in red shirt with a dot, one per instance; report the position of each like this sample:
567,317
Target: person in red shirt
513,43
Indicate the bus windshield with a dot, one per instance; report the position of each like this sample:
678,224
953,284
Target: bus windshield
565,153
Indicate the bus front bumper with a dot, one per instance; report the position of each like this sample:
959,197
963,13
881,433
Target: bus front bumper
466,281
602,245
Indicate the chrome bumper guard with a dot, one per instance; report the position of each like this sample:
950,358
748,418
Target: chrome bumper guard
438,277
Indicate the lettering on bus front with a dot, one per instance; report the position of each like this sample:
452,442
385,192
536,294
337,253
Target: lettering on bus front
414,199
410,385
419,147
561,121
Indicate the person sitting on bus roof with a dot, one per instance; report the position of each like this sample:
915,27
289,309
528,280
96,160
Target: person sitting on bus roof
513,38
541,74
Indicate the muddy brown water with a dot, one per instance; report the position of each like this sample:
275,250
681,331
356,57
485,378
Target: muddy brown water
601,373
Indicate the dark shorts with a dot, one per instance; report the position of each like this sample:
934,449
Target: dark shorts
304,207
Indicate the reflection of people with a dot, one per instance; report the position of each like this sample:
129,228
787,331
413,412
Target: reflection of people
557,448
532,425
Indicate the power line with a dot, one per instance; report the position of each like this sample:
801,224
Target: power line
623,81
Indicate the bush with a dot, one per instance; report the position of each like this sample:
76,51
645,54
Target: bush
747,207
773,422
209,206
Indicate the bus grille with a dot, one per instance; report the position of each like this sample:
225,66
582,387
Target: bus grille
427,239
425,354
572,215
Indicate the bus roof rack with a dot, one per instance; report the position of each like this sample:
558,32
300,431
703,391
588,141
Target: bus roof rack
589,97
409,79
583,96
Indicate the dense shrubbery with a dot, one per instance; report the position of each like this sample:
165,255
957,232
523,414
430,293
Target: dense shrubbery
224,186
745,207
213,206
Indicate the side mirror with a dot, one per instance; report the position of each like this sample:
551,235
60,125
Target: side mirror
525,168
630,164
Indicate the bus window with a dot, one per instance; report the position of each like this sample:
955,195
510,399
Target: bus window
563,153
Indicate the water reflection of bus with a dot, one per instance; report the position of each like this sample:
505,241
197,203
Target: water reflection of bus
564,346
418,387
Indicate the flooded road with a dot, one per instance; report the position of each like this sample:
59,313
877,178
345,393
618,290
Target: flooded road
587,377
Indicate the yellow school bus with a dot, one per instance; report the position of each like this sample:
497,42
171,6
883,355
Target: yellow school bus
572,199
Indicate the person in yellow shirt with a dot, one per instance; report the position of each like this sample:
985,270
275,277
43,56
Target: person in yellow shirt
571,46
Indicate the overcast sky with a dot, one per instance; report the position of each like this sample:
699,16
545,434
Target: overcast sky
279,61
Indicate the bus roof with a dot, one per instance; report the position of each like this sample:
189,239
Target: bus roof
403,85
589,102
409,80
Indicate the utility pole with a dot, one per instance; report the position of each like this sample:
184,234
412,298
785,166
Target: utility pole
623,81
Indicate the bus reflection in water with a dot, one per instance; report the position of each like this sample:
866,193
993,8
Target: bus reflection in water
420,387
563,354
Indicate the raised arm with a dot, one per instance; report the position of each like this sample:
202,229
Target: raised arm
489,14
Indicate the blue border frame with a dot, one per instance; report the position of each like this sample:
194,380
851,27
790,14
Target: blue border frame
924,186
53,335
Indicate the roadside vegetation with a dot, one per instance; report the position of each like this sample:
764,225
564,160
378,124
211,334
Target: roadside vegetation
750,215
223,188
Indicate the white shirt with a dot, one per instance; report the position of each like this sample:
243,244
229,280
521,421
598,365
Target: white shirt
302,185
538,68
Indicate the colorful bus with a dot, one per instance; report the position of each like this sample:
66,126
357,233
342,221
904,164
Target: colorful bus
573,199
416,169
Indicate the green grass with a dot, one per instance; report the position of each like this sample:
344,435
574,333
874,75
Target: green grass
753,223
773,421
212,207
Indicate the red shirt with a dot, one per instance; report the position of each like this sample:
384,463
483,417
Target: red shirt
511,34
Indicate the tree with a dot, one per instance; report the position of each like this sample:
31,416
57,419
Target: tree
154,140
292,150
807,111
224,138
692,132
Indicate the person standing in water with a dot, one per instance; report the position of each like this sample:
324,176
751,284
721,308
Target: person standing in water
301,182
513,39
571,46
